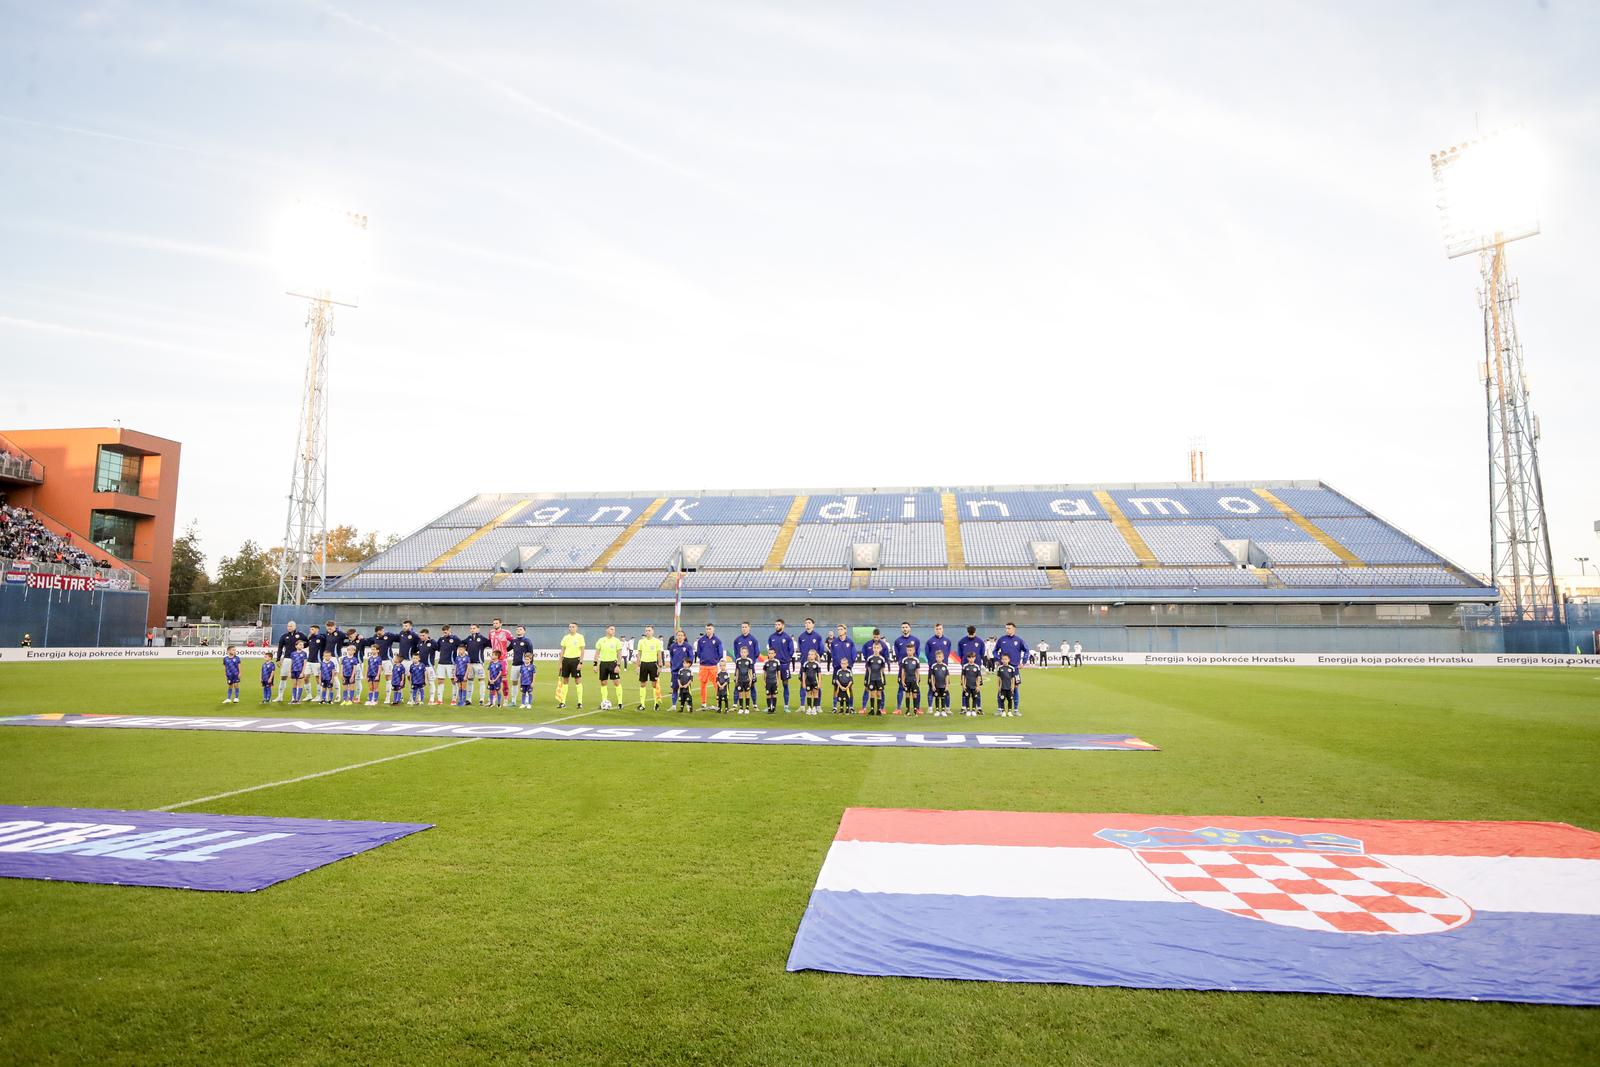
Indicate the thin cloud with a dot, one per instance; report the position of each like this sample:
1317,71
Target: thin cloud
125,239
65,330
518,97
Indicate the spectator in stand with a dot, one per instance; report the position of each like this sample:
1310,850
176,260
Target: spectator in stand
24,537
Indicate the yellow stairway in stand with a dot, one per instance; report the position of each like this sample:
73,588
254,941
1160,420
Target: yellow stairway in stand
1141,550
626,535
1058,578
791,522
1315,532
955,555
1268,579
471,539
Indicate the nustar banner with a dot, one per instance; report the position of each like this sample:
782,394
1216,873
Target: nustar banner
536,732
222,853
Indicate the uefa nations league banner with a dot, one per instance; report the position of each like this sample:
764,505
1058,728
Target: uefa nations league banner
816,735
221,853
1453,910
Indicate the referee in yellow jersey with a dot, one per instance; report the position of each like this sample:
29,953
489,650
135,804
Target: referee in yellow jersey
649,650
608,663
572,646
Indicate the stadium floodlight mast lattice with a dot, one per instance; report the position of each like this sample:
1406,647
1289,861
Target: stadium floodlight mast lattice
323,253
1488,197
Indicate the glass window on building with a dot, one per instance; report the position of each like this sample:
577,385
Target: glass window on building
117,472
112,532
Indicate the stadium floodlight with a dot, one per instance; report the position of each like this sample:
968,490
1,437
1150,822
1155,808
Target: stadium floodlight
323,254
1488,190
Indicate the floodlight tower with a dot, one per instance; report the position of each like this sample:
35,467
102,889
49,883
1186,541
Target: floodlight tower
324,256
1486,193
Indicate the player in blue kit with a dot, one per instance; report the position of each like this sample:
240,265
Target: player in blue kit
269,670
809,640
419,675
745,644
230,675
678,651
297,672
938,643
495,670
1016,648
325,672
397,678
525,672
904,645
349,668
780,646
461,670
374,672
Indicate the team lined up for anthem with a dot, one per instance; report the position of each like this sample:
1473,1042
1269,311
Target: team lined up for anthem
330,666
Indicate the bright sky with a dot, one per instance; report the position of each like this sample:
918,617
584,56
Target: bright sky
635,245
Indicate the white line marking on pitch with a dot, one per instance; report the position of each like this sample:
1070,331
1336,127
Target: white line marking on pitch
320,774
353,766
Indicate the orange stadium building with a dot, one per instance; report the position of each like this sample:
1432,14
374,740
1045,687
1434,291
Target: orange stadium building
106,493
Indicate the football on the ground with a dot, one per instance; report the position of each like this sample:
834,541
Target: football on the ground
605,705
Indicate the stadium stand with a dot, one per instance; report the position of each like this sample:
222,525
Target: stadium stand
727,547
1006,544
1216,542
905,544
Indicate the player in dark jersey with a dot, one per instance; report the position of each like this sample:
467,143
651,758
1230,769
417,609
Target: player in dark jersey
811,682
1006,700
744,682
397,677
722,679
843,679
877,665
909,685
685,678
939,686
972,687
773,670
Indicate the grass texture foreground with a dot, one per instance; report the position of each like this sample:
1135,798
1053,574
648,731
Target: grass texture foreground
589,903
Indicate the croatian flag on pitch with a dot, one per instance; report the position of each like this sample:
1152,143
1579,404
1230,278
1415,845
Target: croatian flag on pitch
1457,910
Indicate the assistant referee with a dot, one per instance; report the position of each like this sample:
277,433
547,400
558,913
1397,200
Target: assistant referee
649,652
572,646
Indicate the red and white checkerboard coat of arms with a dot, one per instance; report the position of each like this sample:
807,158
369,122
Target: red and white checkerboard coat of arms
1314,882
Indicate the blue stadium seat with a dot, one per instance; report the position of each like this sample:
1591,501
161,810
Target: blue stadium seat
905,544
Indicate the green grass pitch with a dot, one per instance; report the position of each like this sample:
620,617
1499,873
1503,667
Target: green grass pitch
635,903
